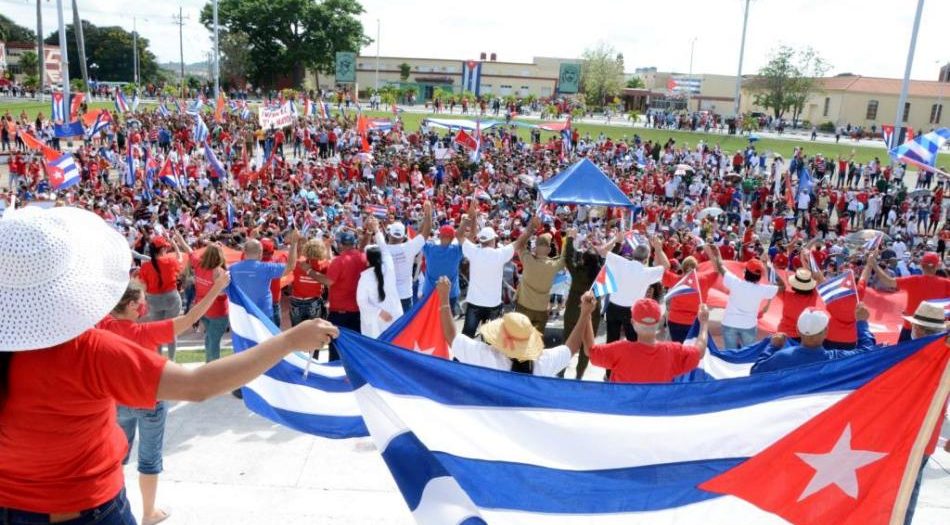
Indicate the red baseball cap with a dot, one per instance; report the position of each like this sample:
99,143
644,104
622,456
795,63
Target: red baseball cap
646,311
160,242
755,266
930,259
447,231
267,245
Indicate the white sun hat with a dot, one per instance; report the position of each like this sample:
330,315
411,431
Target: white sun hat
61,271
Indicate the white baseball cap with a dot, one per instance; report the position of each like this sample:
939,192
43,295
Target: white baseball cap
486,234
812,322
397,230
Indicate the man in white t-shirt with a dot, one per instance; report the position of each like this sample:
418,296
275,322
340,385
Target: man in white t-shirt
510,343
486,264
404,252
633,279
740,322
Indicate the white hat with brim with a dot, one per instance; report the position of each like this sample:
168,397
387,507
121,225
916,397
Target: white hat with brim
61,271
486,234
514,336
928,315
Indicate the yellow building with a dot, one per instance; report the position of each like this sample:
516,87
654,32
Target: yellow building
869,101
520,79
682,92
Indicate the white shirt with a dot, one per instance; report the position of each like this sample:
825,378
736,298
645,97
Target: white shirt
472,352
403,254
367,297
742,309
633,279
485,272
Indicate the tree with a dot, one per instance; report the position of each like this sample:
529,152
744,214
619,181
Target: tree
111,49
11,32
29,63
235,58
636,83
601,74
289,36
404,71
787,80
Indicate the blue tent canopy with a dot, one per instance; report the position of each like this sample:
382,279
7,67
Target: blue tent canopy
583,183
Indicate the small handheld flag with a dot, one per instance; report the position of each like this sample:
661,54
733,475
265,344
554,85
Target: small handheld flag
838,288
605,283
874,242
689,284
62,172
58,109
121,105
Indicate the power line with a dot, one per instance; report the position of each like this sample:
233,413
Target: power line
149,17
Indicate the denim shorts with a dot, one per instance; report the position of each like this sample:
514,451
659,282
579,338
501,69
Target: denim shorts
116,511
151,429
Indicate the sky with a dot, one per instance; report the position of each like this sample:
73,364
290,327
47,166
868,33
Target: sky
867,37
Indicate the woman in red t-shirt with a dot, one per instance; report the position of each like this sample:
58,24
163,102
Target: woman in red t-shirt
306,292
160,276
60,378
208,267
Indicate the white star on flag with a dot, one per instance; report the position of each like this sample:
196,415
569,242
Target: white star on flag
838,466
415,346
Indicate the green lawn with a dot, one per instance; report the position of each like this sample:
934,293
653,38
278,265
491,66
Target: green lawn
726,142
196,356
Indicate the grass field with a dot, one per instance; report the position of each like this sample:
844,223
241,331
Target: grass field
729,143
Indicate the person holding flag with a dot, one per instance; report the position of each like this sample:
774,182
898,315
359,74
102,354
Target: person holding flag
684,296
635,278
919,288
537,275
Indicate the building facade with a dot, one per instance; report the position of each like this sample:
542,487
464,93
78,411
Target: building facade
520,79
12,51
668,91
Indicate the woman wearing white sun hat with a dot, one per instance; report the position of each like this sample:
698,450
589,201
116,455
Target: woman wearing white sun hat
61,271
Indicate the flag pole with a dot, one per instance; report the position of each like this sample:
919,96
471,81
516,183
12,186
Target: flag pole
905,84
699,289
934,413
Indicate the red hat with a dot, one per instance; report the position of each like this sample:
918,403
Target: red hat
267,245
160,242
646,311
447,231
755,266
930,259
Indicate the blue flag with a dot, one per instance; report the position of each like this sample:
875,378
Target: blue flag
73,129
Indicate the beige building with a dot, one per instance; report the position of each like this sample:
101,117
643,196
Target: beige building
682,92
870,101
538,77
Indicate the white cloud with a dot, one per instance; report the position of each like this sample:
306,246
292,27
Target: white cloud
868,37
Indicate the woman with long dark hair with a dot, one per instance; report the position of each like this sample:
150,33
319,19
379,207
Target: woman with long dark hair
208,267
160,276
376,293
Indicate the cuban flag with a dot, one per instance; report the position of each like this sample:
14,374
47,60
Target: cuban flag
102,120
62,172
833,442
689,284
604,284
413,330
214,162
922,150
472,76
309,108
477,152
299,393
58,108
377,210
135,101
200,130
129,167
121,105
168,174
163,111
720,364
945,303
838,288
195,107
887,134
874,242
323,109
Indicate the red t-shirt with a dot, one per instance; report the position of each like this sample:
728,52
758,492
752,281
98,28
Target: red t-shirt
794,304
683,309
842,327
149,335
169,267
345,270
920,288
636,362
304,286
204,280
61,449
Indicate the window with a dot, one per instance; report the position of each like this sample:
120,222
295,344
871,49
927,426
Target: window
935,113
906,111
824,112
872,110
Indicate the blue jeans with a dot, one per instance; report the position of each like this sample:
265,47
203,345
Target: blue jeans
151,426
113,512
214,331
406,304
305,309
735,338
275,314
476,315
912,503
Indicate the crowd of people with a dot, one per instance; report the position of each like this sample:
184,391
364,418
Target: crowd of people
354,220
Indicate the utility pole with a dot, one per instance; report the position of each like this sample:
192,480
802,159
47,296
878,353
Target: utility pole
63,59
689,94
41,55
81,46
377,54
217,70
135,54
745,24
899,119
180,20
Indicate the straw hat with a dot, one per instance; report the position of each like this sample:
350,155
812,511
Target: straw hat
802,281
928,315
61,271
514,336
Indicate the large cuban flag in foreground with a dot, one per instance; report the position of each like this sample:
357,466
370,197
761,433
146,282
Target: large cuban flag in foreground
832,442
717,364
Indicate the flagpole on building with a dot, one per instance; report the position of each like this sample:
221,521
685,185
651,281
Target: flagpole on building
217,73
738,95
902,101
63,59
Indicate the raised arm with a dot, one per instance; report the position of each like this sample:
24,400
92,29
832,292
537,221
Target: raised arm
607,247
712,252
178,239
444,288
576,339
702,340
426,229
522,241
183,322
294,239
887,280
659,256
